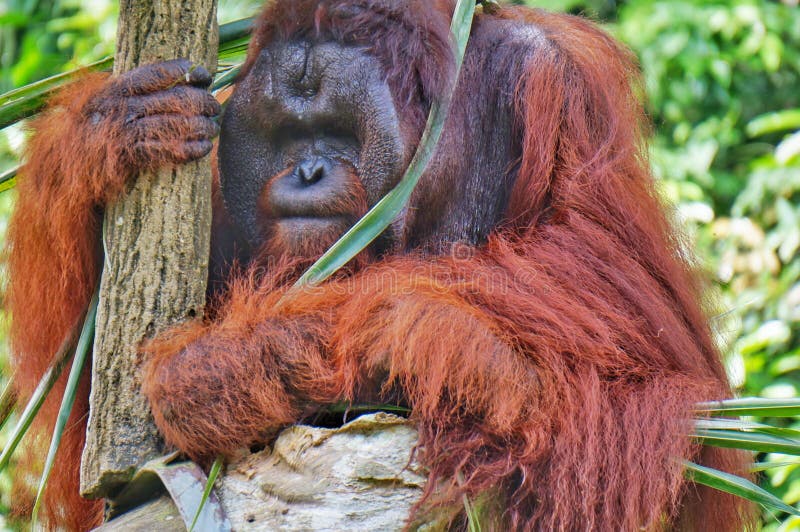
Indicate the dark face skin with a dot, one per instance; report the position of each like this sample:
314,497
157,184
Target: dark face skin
309,140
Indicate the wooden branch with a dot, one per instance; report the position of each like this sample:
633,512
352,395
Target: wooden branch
157,244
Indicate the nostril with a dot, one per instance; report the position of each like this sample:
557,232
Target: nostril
313,170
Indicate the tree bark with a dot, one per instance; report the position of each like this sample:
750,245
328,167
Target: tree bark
156,240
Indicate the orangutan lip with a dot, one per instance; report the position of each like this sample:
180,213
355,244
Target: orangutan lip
314,219
305,224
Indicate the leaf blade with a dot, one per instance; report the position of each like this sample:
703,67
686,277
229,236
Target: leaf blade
34,405
732,439
746,426
212,478
735,486
751,406
81,354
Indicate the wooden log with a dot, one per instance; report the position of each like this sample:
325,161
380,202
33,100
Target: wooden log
156,240
357,477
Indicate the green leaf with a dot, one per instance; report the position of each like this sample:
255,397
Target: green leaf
386,210
736,486
746,426
473,516
751,406
788,149
473,519
8,401
48,84
26,101
212,478
226,79
8,179
71,390
234,38
772,52
773,122
734,439
187,486
39,395
764,466
234,31
14,18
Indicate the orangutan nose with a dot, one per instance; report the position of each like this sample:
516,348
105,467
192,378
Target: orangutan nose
313,170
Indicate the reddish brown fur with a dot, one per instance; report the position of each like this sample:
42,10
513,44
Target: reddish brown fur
560,360
75,164
54,243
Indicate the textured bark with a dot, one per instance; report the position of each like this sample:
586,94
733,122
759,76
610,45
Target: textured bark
358,477
156,240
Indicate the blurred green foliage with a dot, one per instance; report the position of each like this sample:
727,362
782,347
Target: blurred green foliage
723,83
723,89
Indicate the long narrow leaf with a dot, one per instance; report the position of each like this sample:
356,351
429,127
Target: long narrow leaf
78,362
8,401
47,84
225,79
8,179
212,478
234,31
386,210
28,100
746,426
736,486
751,406
186,485
235,50
764,466
473,519
772,122
234,39
733,439
39,395
25,107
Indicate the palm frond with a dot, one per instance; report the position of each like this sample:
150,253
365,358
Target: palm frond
736,486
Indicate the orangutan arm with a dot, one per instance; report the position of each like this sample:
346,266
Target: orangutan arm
523,367
215,387
94,136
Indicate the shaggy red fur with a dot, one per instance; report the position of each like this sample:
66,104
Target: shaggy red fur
54,239
558,361
77,161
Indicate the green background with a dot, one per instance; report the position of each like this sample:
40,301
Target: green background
723,94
